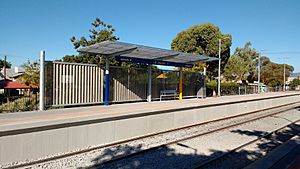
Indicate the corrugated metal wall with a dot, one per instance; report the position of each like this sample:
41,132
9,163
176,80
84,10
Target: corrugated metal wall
73,84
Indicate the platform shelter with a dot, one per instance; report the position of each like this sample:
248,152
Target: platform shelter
127,52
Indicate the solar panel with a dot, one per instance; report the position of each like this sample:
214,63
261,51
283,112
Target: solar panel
144,54
106,48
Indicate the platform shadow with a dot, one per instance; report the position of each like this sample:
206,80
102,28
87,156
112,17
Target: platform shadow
163,157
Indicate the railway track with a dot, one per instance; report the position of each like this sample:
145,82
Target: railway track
256,115
213,160
217,161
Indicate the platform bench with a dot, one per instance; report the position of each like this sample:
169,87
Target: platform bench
168,93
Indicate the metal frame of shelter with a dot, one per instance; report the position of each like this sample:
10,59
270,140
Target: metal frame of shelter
126,52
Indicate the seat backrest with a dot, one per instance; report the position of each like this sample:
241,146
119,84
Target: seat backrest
168,92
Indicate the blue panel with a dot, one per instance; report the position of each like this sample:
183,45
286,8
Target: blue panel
151,61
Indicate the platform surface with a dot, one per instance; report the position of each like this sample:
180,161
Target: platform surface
13,121
290,161
286,156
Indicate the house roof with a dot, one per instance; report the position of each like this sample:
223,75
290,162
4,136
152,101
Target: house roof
295,75
7,84
11,73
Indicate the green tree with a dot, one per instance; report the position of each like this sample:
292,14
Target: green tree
99,33
253,75
3,62
294,83
31,75
235,69
242,64
204,40
272,73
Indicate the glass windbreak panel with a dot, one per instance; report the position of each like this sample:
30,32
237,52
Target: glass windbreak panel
128,84
164,80
192,84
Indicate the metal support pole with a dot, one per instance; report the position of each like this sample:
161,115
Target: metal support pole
204,83
42,80
258,74
283,75
106,99
180,84
219,70
149,83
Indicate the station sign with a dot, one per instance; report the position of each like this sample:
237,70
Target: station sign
152,61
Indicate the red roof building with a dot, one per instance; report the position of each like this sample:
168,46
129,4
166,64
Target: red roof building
7,84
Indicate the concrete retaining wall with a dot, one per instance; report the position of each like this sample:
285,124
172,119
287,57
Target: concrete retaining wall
36,144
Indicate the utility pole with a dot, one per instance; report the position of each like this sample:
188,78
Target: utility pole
4,67
284,67
258,74
283,76
219,70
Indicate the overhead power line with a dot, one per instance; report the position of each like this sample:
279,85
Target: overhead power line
2,54
283,52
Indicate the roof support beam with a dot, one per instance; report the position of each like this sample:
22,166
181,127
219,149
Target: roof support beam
180,84
149,83
106,96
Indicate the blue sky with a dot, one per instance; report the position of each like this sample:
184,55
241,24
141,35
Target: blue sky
26,27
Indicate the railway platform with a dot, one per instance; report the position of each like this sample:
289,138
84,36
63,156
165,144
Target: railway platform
68,115
286,156
32,135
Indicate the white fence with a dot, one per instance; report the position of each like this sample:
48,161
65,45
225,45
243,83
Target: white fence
73,84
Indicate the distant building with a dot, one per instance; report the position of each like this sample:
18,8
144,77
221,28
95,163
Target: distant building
11,74
293,76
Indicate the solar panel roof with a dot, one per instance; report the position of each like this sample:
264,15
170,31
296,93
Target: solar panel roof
145,54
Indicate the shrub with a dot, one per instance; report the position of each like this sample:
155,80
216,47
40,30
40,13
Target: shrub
227,88
294,83
21,104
